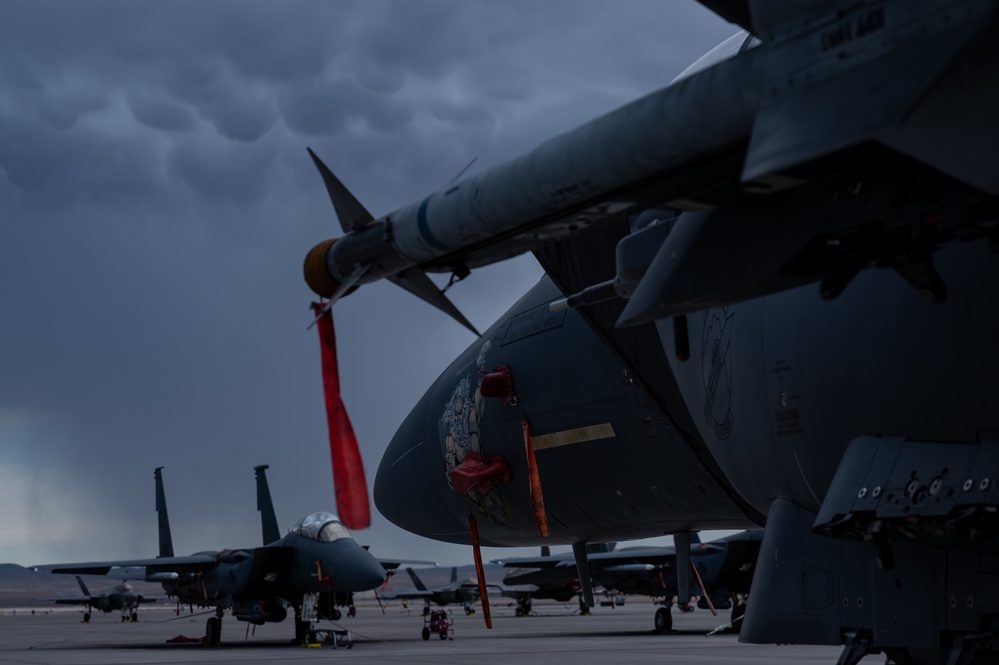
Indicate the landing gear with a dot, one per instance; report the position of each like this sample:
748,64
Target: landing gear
524,607
302,629
469,610
306,616
663,620
135,616
335,614
213,630
86,617
583,607
352,611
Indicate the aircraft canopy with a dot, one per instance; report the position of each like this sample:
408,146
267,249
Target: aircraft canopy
322,526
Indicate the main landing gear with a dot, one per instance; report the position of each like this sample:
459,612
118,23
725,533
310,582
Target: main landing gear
305,619
213,629
524,607
663,620
584,609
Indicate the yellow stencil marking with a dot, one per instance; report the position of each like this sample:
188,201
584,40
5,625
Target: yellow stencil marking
571,436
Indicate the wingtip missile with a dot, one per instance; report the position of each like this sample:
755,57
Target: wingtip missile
370,243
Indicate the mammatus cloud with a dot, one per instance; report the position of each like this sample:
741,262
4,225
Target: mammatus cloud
156,202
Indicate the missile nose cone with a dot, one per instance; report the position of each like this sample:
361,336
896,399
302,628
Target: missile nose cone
317,273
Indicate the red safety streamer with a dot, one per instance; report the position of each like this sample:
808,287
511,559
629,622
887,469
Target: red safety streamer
348,471
479,573
537,498
704,593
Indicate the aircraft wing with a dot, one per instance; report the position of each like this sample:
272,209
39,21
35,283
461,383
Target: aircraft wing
535,562
392,564
67,600
517,591
105,567
602,559
408,595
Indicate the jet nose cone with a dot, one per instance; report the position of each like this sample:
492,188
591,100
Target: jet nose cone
411,487
357,570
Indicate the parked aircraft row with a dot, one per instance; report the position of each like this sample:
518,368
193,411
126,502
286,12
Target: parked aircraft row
316,566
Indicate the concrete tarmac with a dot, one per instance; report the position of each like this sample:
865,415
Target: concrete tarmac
558,634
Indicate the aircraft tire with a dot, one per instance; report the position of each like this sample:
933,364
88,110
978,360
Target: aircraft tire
135,616
426,634
86,617
663,620
336,614
213,630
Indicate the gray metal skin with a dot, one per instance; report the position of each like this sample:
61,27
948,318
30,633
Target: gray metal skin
824,186
643,480
258,584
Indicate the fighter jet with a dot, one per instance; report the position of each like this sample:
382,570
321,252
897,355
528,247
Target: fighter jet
724,570
316,560
121,597
465,593
328,602
768,302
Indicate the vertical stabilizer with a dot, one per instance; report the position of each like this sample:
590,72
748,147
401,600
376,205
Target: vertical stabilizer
83,587
166,540
268,520
417,582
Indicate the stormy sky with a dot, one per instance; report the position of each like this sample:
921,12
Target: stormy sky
156,202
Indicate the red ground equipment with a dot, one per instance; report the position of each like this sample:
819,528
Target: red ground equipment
440,622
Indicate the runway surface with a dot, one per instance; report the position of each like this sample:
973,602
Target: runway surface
556,635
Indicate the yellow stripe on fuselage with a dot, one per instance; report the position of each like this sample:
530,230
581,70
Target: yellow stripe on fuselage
570,436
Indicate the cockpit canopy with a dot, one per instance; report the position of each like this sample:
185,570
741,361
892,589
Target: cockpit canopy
321,526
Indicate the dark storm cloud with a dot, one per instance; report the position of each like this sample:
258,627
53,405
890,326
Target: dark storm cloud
156,202
163,114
